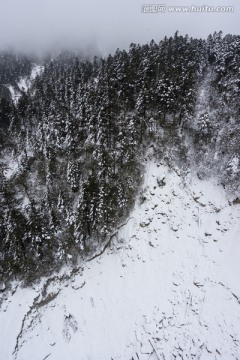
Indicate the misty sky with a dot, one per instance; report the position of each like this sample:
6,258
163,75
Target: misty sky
104,24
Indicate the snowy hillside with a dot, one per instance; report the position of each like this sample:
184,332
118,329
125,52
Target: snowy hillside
166,287
25,83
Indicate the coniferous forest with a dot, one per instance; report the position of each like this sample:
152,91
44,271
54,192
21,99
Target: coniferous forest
73,144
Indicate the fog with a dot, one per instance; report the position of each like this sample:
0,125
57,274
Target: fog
103,26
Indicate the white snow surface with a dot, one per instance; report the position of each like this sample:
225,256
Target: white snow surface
167,287
36,70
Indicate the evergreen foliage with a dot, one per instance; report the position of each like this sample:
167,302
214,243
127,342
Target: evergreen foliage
74,143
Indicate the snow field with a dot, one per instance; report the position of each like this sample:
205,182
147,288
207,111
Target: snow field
166,288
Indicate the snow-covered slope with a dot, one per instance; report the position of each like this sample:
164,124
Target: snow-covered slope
25,83
166,287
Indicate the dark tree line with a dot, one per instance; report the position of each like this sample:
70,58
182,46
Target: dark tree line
74,142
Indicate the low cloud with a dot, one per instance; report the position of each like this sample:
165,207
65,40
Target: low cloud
94,25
